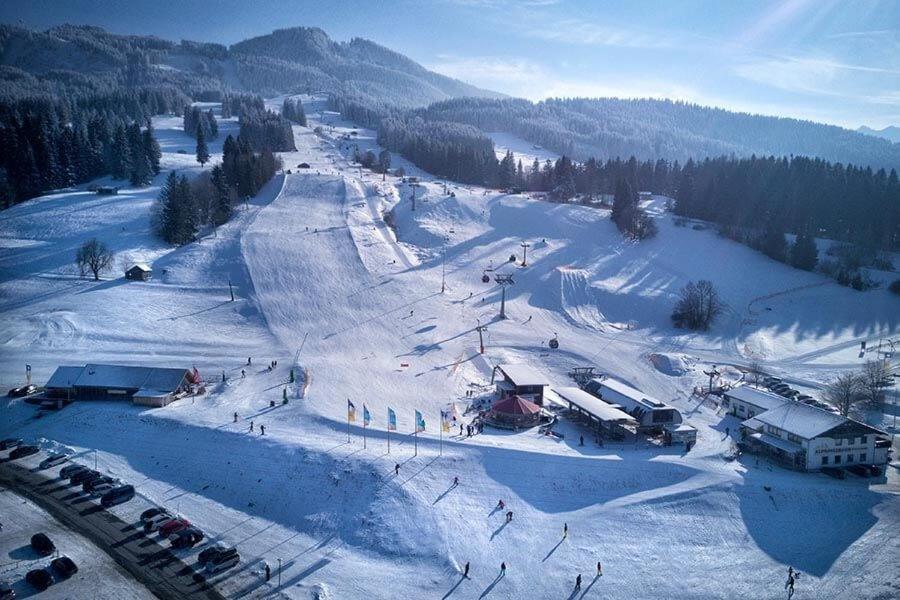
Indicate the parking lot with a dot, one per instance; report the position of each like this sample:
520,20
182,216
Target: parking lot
168,573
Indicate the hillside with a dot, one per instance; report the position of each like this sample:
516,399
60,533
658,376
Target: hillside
890,133
651,129
300,58
354,306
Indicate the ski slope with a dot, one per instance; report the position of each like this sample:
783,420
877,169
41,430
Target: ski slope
325,286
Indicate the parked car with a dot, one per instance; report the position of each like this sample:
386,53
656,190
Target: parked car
100,489
6,591
23,451
788,393
70,470
39,579
209,553
859,470
42,544
804,398
222,561
154,523
25,390
54,459
10,443
173,526
90,484
770,381
81,476
65,566
875,470
118,495
186,538
152,512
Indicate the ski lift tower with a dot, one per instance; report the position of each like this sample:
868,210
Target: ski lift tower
503,281
712,374
582,375
525,245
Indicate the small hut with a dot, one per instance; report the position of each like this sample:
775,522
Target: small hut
139,272
514,412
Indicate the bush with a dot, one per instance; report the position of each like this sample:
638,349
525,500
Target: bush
895,286
698,306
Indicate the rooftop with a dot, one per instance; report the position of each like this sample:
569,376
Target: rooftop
141,266
801,419
593,405
631,393
118,376
514,405
523,375
761,398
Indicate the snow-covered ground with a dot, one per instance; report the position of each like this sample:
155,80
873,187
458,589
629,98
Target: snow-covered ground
21,519
316,267
522,149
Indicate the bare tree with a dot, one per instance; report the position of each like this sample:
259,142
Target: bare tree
755,371
844,392
95,257
697,306
874,378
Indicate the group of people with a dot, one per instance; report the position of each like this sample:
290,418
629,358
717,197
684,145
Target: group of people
471,429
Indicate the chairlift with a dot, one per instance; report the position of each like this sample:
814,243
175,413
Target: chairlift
485,278
554,341
512,258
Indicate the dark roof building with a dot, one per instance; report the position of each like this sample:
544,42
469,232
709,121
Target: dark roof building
151,386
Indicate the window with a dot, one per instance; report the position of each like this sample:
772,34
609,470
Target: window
837,459
795,438
849,458
839,442
862,457
740,408
824,460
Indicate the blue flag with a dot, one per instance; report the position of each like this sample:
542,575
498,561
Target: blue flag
392,420
420,422
367,418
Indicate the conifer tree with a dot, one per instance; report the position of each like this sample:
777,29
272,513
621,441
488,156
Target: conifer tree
202,149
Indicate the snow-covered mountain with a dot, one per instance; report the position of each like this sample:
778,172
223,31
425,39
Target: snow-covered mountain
890,133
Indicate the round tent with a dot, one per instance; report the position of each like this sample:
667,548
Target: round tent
515,412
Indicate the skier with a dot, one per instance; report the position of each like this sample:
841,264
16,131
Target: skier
243,374
581,440
251,425
503,568
262,430
466,570
223,376
460,430
268,572
599,569
249,360
501,504
455,481
566,532
235,417
410,313
508,516
397,469
529,318
789,586
578,582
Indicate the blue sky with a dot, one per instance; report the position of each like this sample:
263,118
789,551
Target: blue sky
825,60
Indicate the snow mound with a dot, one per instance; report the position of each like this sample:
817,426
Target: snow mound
674,365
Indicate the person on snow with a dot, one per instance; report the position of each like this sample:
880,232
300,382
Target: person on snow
397,469
566,531
503,568
581,440
243,374
262,430
578,582
501,504
249,360
251,425
410,313
460,430
235,417
268,572
466,570
508,516
599,569
455,481
223,376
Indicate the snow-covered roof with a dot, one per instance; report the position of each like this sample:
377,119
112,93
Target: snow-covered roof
776,442
64,377
801,419
515,405
156,379
523,375
593,405
141,266
626,392
751,395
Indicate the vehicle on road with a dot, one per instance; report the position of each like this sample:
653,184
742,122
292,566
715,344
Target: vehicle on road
186,538
53,460
23,451
81,476
65,566
152,512
69,470
25,390
90,484
222,561
39,579
209,553
6,591
42,544
173,526
10,443
118,495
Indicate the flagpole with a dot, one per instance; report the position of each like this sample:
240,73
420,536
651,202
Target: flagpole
416,440
348,420
441,443
364,429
